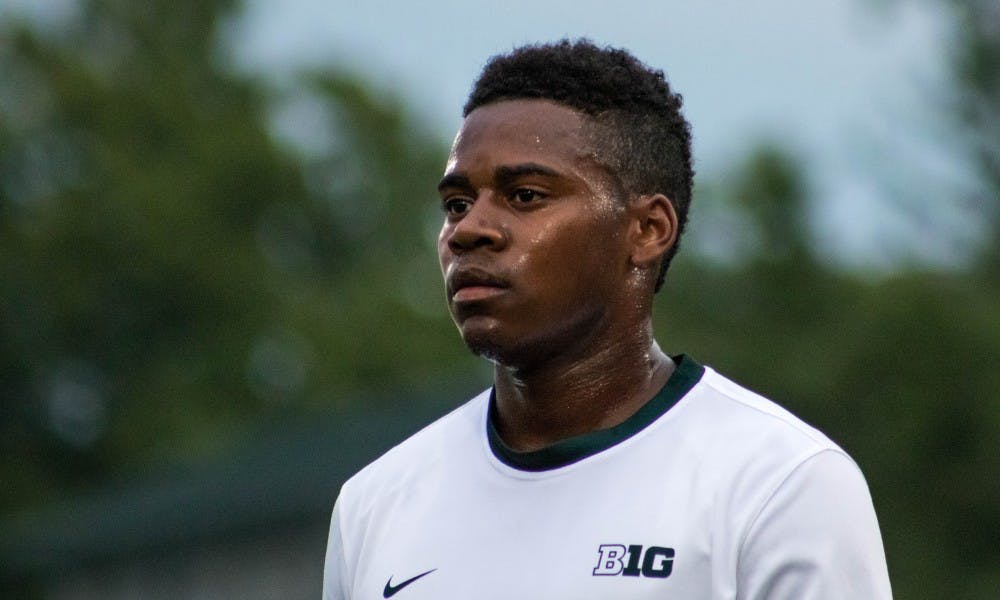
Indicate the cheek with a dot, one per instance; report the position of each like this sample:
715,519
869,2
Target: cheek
444,254
575,259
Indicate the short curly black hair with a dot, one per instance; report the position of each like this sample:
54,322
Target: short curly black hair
641,134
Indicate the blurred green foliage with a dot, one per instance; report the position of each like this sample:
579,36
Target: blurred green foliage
186,252
173,270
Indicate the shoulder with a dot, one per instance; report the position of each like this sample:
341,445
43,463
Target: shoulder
736,416
753,446
794,504
797,507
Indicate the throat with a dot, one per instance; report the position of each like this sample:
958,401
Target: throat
534,413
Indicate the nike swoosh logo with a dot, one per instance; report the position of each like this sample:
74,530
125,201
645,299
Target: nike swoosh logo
390,590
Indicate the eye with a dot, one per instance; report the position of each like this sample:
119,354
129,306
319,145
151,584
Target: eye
526,195
456,206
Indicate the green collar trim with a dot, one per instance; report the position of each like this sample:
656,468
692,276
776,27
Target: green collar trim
574,449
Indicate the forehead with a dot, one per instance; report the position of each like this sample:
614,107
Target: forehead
517,131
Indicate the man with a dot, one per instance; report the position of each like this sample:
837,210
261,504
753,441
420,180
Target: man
596,467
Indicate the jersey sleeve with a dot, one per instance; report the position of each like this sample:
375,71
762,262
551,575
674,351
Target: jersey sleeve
335,583
815,538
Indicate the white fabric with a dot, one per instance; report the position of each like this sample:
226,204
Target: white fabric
752,503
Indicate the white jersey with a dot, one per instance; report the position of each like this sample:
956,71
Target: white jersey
708,492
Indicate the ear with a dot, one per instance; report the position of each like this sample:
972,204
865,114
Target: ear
654,229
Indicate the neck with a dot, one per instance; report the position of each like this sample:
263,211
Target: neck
573,395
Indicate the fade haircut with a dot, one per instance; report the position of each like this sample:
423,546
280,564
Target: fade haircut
639,132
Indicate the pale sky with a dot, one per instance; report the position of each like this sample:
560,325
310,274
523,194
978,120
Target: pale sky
847,85
853,87
815,66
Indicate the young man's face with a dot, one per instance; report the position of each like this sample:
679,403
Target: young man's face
533,246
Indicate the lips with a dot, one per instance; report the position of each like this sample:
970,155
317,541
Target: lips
473,284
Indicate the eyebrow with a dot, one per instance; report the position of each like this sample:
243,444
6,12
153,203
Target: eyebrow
507,175
454,180
503,175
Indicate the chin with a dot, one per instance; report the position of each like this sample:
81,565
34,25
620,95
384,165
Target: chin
515,354
485,345
488,344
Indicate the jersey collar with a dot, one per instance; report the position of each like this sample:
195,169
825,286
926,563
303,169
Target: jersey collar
574,449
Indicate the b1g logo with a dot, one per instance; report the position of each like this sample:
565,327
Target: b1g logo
616,559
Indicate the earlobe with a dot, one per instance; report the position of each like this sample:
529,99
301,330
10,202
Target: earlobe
654,228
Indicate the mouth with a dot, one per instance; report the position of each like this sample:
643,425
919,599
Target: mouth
473,285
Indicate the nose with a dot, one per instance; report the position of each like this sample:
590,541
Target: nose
480,227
